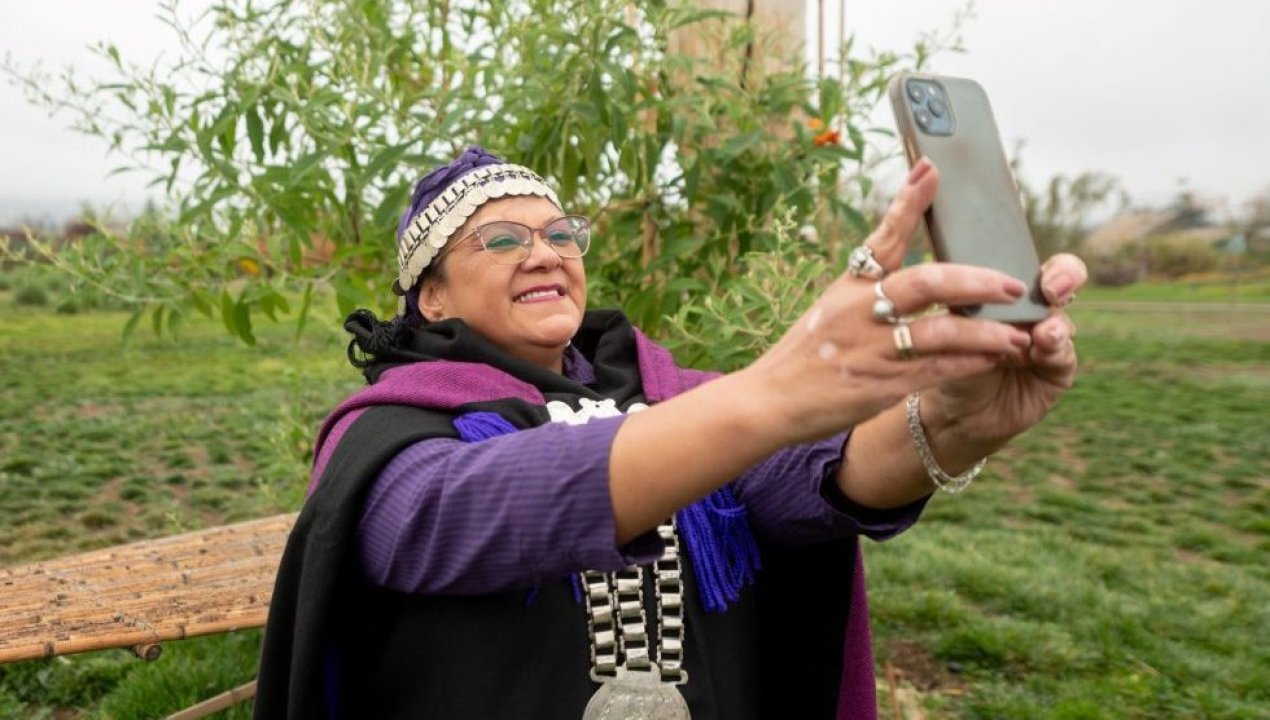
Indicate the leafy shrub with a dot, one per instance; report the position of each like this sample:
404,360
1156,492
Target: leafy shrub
303,143
67,681
737,320
1175,257
31,294
1116,270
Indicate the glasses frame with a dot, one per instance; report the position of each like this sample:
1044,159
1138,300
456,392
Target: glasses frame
534,233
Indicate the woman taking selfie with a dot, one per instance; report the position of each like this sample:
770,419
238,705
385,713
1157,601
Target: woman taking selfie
532,512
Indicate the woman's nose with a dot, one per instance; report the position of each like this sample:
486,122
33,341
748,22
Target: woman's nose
541,254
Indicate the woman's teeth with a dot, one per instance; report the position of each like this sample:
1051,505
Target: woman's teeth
535,295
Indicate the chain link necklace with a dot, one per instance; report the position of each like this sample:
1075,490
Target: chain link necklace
634,686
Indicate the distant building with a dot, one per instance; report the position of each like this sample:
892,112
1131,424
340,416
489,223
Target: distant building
1176,224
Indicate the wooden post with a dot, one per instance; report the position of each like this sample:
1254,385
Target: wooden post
782,21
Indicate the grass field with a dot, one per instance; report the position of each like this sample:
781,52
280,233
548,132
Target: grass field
1110,564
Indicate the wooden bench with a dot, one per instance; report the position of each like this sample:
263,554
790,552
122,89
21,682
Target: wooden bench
140,595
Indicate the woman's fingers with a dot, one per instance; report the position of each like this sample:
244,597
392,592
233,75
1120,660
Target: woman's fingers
889,240
1061,276
917,288
953,335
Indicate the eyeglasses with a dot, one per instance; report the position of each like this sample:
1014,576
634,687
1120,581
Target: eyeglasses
510,243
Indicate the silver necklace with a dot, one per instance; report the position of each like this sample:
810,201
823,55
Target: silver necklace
632,685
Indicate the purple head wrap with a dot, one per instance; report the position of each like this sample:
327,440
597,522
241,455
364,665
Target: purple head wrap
432,184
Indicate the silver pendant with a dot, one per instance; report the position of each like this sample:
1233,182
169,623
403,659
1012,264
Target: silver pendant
636,696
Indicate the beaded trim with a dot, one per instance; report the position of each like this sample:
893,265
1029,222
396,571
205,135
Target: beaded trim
430,229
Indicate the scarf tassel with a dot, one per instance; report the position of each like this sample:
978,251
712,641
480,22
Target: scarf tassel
724,554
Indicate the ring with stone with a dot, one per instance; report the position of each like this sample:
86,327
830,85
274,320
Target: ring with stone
862,263
883,307
903,338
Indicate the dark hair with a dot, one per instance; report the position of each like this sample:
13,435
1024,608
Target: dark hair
374,339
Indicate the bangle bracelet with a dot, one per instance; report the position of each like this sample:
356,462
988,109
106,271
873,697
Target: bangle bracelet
942,480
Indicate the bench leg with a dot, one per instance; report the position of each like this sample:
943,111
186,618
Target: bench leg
218,703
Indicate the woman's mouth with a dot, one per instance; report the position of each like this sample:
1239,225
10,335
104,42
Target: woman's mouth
540,294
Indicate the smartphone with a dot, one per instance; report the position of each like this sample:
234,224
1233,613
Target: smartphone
977,217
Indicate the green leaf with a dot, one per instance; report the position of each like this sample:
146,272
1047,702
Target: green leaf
227,314
277,135
382,160
303,167
305,301
156,320
131,325
256,133
739,144
242,321
200,303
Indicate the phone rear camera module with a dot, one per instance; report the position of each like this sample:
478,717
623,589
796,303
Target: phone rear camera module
931,107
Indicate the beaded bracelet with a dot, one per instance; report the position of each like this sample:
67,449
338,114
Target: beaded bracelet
948,483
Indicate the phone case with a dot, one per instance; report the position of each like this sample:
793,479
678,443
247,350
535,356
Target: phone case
977,217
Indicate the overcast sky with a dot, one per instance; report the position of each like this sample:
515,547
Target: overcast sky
1156,93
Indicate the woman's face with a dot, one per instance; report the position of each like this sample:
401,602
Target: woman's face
532,310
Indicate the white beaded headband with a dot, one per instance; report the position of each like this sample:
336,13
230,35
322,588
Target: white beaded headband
430,229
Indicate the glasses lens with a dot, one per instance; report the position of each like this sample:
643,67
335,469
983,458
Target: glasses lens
507,243
569,236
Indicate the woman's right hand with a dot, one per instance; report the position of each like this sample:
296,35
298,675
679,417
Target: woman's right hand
836,368
838,365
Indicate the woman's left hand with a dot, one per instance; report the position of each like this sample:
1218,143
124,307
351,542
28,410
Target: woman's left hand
986,411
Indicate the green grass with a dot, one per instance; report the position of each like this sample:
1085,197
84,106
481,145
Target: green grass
1111,563
102,443
1252,286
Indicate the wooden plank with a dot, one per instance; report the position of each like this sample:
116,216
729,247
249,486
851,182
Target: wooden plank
198,583
220,702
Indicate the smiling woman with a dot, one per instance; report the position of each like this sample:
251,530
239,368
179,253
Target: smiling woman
532,512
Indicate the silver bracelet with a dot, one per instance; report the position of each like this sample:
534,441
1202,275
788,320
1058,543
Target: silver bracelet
942,480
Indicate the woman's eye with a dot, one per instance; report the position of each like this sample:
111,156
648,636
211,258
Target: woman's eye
560,237
502,243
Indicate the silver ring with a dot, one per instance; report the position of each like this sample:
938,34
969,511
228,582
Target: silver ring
903,338
883,307
861,263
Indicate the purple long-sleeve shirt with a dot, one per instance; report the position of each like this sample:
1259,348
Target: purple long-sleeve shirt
450,517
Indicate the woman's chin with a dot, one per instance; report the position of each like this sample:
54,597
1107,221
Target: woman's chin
558,329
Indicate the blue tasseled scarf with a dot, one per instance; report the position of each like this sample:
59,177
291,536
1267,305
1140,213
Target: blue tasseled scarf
715,528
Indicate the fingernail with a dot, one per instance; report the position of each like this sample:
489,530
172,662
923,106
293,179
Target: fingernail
1060,289
1015,287
919,171
1057,335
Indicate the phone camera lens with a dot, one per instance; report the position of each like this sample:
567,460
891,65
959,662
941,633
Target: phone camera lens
937,107
916,91
923,117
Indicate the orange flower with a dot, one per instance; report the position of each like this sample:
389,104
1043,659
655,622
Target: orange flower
816,124
828,137
249,266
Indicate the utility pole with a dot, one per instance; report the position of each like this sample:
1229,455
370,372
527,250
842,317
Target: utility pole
780,22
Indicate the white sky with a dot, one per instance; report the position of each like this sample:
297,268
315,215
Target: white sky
1151,92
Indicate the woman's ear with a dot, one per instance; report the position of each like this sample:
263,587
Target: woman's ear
431,300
